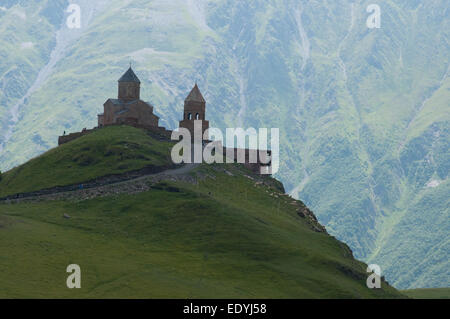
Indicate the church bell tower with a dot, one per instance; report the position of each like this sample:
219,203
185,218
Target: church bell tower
194,110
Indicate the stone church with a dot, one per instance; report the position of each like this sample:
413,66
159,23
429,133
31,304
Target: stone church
128,108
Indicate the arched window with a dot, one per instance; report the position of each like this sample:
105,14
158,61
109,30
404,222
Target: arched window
197,116
189,116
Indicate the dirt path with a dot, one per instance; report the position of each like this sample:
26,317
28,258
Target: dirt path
106,187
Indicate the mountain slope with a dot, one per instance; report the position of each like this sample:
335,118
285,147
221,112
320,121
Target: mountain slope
218,232
363,113
437,293
109,151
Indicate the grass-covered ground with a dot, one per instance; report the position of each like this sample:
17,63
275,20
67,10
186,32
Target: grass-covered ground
111,150
224,237
430,293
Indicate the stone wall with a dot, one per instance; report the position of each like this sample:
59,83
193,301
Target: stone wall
67,138
262,163
134,112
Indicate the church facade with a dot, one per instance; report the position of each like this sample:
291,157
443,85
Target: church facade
128,108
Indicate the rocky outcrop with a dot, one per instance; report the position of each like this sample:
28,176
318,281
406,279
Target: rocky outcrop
306,213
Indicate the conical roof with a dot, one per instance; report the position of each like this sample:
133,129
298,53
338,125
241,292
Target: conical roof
195,95
129,76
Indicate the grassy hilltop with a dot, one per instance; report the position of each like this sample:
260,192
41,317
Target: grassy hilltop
428,293
113,150
219,232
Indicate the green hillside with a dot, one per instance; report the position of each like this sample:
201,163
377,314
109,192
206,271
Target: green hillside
430,293
363,113
218,232
113,150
